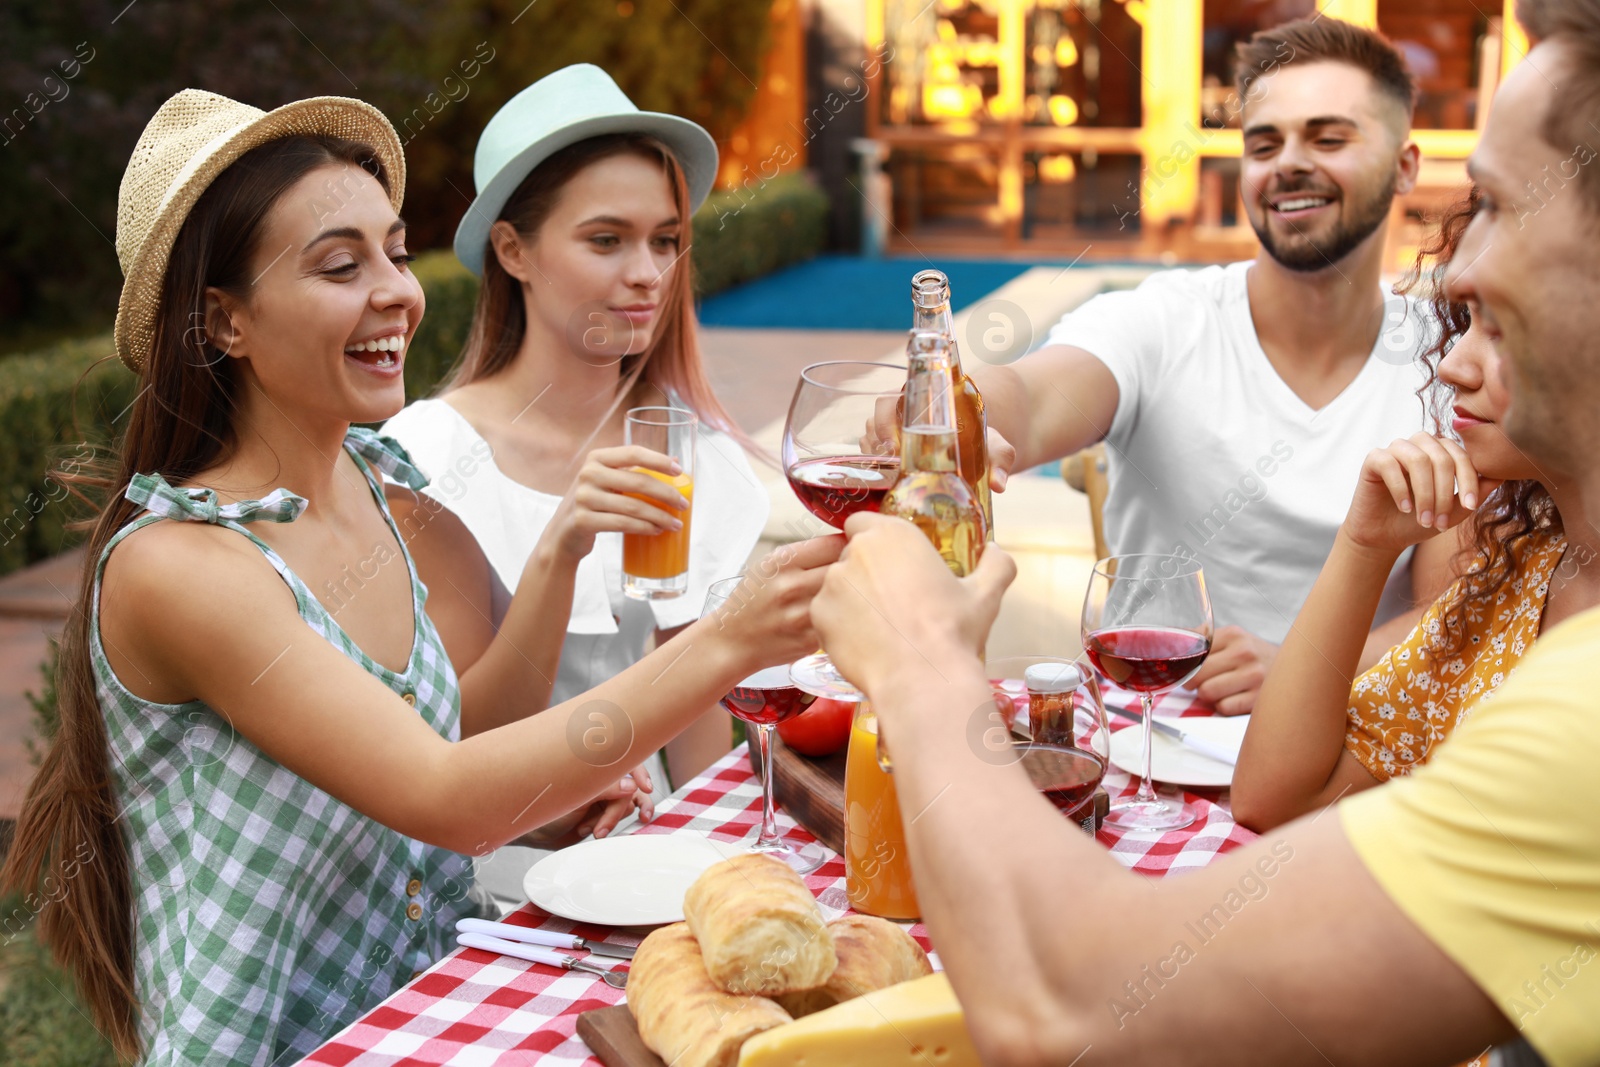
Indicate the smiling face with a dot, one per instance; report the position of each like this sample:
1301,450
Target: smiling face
1526,268
1472,370
598,271
1324,154
323,329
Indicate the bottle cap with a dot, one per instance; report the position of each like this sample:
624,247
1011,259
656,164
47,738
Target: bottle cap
1052,677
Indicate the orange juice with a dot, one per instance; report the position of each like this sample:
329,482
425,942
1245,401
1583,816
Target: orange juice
662,555
877,865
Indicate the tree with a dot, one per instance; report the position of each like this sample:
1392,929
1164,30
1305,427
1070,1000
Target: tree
64,141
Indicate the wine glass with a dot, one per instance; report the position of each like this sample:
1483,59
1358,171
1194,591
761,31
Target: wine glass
1147,627
765,699
837,465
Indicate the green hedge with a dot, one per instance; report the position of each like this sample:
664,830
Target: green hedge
743,234
738,235
36,394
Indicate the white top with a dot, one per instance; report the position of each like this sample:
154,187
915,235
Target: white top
607,631
1211,454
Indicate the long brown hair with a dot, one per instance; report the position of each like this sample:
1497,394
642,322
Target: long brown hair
1518,514
180,424
672,363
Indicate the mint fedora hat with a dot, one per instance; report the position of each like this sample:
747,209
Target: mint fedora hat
561,109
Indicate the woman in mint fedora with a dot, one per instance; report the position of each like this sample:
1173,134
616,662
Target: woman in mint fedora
251,825
580,233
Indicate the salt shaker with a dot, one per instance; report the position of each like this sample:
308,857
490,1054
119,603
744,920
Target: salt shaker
1051,688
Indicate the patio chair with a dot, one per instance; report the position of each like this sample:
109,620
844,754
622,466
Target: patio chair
1086,472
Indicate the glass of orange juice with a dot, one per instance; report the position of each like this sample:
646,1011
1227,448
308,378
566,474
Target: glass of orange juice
656,566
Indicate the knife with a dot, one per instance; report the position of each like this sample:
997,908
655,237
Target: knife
1183,737
536,954
529,936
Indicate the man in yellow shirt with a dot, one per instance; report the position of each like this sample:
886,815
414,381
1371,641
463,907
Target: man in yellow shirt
1421,922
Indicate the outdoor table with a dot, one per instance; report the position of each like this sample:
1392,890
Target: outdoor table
476,1008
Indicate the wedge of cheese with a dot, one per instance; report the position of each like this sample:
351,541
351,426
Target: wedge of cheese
917,1023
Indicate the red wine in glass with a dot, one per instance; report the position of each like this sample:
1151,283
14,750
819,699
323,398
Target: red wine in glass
1147,625
767,698
833,488
840,459
1066,776
1147,659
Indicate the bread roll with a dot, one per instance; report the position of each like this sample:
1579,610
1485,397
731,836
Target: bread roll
759,927
682,1016
873,954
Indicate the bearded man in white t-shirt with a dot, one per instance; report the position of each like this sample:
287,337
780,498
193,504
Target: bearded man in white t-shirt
1237,402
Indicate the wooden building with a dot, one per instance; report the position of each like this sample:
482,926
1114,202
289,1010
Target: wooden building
1110,127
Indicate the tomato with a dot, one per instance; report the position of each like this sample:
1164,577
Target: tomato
820,730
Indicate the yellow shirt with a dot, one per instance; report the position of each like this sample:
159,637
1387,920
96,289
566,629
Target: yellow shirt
1493,848
1410,701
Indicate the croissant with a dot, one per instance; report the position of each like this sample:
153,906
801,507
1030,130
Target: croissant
759,928
681,1014
873,954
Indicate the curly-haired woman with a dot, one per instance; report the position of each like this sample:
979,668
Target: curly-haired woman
1314,736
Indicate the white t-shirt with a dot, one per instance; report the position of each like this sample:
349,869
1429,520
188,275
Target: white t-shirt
1211,454
607,631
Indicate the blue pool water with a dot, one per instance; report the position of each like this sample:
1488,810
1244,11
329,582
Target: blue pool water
841,292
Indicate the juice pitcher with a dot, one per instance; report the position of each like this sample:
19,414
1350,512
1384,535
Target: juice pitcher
877,864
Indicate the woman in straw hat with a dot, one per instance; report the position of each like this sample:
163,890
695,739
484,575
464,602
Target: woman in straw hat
250,826
580,233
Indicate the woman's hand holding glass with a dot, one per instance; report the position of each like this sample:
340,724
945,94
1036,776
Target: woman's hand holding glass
604,498
1410,491
767,619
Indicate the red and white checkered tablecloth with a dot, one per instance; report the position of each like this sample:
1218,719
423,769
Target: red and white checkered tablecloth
475,1008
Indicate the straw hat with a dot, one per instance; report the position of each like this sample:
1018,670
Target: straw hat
561,109
194,137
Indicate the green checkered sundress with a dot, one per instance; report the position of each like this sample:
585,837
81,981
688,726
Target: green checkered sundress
269,915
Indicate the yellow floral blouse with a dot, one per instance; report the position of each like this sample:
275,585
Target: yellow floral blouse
1409,701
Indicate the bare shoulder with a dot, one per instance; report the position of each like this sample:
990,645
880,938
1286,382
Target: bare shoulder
171,589
178,557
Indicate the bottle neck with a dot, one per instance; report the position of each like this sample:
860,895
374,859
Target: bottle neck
932,320
938,320
928,430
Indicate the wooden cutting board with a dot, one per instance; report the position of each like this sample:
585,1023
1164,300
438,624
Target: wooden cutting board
812,792
612,1035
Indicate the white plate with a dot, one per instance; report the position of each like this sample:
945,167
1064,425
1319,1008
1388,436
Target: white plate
1175,763
633,880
